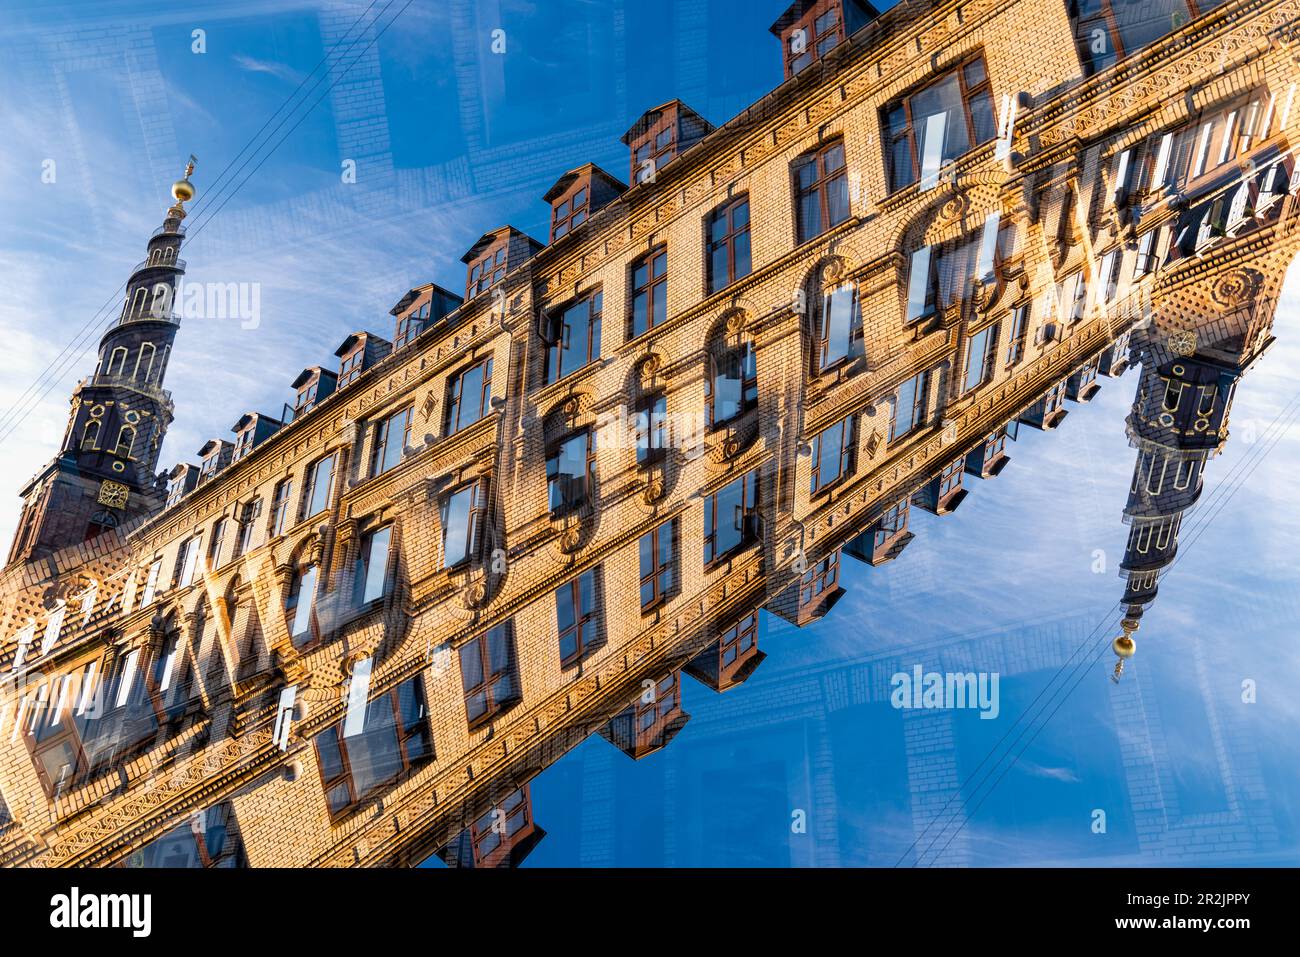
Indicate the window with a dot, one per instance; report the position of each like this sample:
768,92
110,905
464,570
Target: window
487,673
392,435
575,337
306,399
90,434
151,583
650,716
922,284
210,466
125,442
491,837
820,30
570,213
300,605
649,291
658,554
938,124
909,410
216,541
411,325
1108,30
822,191
981,352
894,521
729,253
187,560
320,481
820,579
651,430
350,367
469,396
571,473
738,639
371,582
206,839
83,722
279,508
733,388
486,272
576,618
1019,331
832,455
243,444
394,740
463,515
731,517
841,326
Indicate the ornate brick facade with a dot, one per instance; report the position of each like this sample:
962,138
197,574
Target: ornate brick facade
373,660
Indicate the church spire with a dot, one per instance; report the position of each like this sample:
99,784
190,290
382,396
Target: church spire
107,469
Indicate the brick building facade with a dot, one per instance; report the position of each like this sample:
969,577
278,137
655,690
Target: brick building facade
354,635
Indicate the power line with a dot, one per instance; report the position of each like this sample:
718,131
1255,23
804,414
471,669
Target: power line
1218,501
75,349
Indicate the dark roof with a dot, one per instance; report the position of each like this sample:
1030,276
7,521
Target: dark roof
652,114
250,418
306,375
487,239
212,445
412,295
800,7
356,337
565,181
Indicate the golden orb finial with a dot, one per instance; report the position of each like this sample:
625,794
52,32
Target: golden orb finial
1124,646
183,189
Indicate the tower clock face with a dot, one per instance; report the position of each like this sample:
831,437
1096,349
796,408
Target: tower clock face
113,494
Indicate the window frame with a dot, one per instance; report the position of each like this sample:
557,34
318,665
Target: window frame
586,621
908,130
571,505
728,242
381,438
475,522
561,335
845,459
280,496
648,290
660,565
823,181
748,509
452,417
920,411
404,735
494,706
361,568
312,486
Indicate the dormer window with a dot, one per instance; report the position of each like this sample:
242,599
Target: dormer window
569,213
577,195
487,271
810,29
412,324
243,444
660,135
350,367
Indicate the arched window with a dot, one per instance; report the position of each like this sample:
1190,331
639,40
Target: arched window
300,606
135,307
116,361
90,434
161,306
125,441
245,629
144,362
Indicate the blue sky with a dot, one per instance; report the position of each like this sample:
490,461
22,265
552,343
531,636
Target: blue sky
451,139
